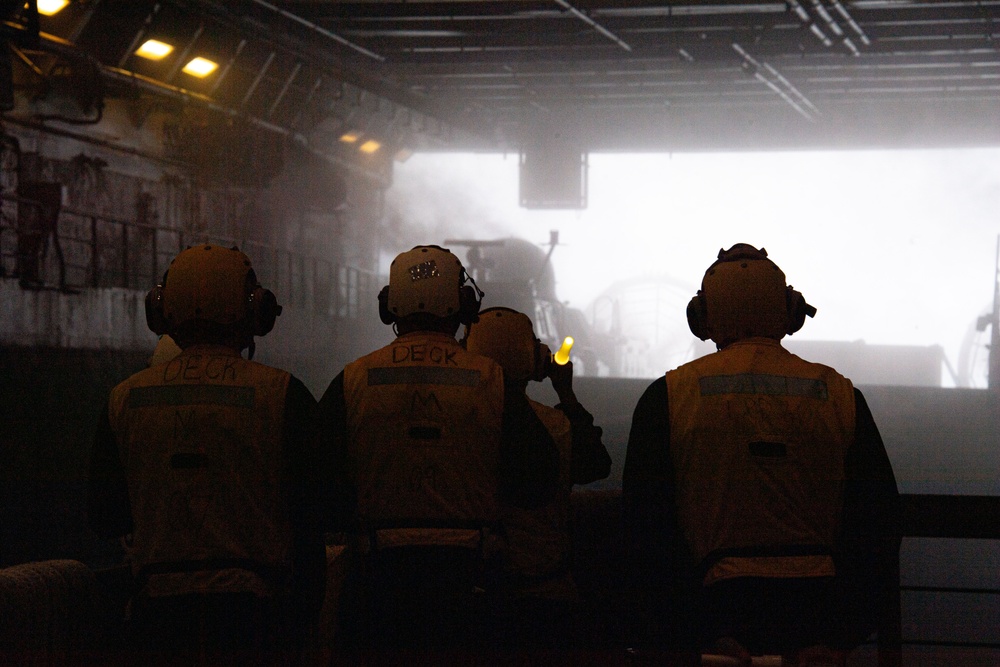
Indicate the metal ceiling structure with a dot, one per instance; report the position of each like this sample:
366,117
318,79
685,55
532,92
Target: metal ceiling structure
598,75
709,74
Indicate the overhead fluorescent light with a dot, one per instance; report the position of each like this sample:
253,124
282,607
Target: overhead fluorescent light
50,7
369,146
154,49
349,137
200,67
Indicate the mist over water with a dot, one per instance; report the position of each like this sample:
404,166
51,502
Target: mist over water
895,248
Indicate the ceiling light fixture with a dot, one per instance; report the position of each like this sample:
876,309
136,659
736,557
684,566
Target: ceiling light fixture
50,7
369,146
349,137
200,67
154,49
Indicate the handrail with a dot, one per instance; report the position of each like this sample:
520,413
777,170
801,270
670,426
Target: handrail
935,516
99,250
951,516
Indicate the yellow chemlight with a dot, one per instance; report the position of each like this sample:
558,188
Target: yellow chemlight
154,49
200,67
369,146
562,355
349,137
50,7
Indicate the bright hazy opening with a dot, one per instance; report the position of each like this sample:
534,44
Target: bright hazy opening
894,248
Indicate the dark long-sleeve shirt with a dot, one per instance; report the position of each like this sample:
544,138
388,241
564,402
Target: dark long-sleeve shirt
589,460
661,565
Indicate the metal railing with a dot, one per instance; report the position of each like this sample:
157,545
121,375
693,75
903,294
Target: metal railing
90,250
945,517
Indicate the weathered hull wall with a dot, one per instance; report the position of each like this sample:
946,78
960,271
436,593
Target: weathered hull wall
51,401
93,319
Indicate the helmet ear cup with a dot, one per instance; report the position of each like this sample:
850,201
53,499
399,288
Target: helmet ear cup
697,316
798,309
155,318
263,309
383,306
468,305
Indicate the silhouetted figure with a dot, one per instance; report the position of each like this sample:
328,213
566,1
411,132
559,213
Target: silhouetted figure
547,611
432,443
203,462
760,504
37,221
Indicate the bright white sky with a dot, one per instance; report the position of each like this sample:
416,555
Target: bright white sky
891,247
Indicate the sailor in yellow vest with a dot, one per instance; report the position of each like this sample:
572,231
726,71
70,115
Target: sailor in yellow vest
547,609
204,463
432,442
756,486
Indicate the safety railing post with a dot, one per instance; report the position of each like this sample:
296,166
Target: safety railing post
125,256
156,254
95,258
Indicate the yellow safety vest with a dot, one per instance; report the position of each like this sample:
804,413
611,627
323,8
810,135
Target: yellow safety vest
200,442
423,428
758,438
538,540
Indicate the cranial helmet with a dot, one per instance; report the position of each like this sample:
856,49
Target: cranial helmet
209,285
507,337
428,280
742,295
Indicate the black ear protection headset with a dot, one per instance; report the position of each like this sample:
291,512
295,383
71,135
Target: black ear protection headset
470,299
155,319
262,308
795,304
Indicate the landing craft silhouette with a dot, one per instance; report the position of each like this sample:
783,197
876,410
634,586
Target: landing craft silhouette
518,274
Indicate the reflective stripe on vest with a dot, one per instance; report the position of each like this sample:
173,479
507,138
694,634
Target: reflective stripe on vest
538,542
758,438
200,441
423,420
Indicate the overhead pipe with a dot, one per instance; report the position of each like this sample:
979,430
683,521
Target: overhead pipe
835,27
783,95
257,79
320,30
851,22
182,58
284,90
831,23
224,72
176,92
329,61
62,47
68,51
593,24
305,104
783,90
825,15
790,87
143,30
807,19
